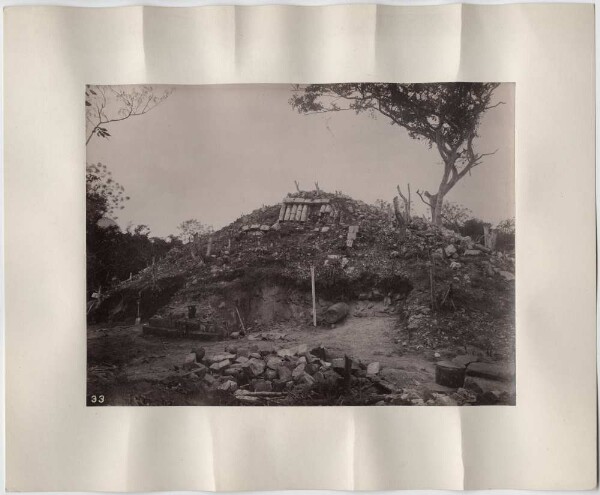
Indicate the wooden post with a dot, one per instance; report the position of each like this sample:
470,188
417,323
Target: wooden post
347,372
209,246
432,281
138,319
314,299
241,321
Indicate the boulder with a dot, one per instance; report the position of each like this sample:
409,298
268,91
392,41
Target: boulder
256,366
373,369
336,312
450,250
285,352
298,371
200,353
472,252
274,362
285,374
189,361
220,365
228,386
301,349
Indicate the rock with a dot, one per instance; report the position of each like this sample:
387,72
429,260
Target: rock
243,353
312,368
222,305
336,312
325,229
265,228
301,349
320,352
437,355
209,380
306,379
231,349
200,353
255,226
436,388
298,371
228,386
472,252
220,357
444,400
285,374
241,359
256,366
220,365
235,335
506,275
492,371
302,359
271,374
465,359
285,353
254,355
263,386
319,377
450,250
464,396
200,370
274,362
455,265
189,361
373,369
449,374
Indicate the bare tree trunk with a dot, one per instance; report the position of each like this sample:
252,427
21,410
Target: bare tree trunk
436,210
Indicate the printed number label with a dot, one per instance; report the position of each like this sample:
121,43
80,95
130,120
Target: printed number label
97,399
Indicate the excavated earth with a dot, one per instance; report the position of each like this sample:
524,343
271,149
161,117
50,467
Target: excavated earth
418,302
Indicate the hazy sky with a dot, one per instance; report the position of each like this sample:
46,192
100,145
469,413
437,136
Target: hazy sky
216,152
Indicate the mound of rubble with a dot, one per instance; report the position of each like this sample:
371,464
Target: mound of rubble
449,291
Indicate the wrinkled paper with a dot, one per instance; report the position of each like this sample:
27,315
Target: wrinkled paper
55,443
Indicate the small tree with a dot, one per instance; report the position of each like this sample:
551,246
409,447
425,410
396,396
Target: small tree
104,195
454,215
191,228
445,115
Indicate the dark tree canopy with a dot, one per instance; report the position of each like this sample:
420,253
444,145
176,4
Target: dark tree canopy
445,115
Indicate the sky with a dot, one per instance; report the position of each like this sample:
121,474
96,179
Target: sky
214,153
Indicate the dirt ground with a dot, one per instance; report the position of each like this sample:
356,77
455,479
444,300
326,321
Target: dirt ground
126,367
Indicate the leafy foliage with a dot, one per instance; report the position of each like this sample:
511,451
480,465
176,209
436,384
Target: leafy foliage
192,227
454,215
445,115
108,104
104,196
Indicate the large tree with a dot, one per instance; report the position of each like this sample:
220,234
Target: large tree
445,115
108,104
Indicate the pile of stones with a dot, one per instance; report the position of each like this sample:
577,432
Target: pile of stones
254,376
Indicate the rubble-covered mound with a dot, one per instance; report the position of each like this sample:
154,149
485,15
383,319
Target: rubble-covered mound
446,290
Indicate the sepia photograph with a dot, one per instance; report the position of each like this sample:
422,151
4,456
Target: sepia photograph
348,244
